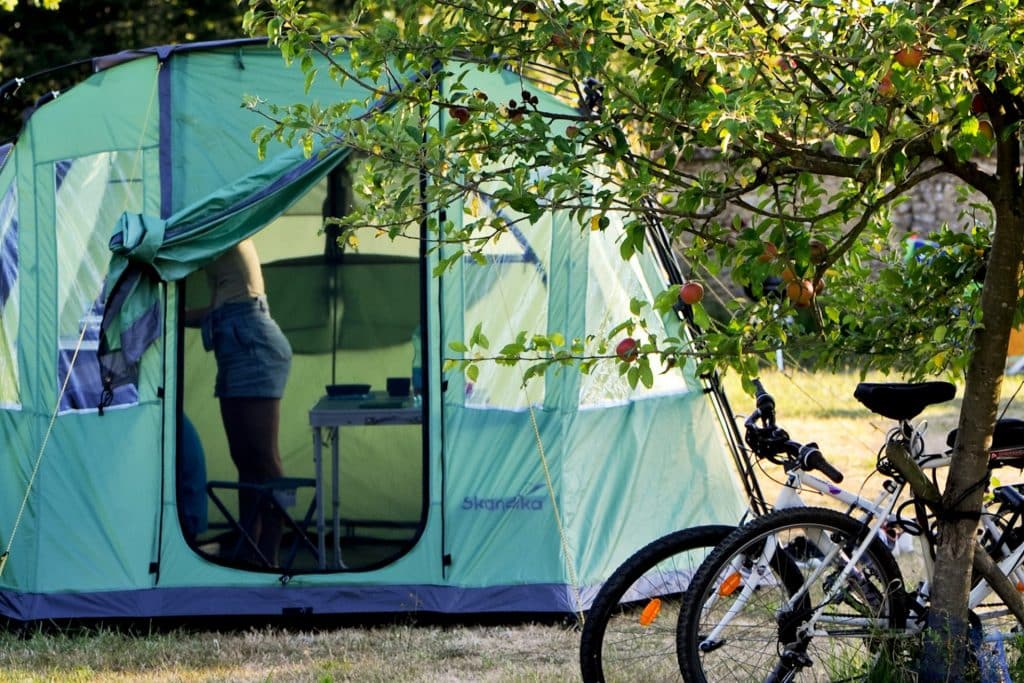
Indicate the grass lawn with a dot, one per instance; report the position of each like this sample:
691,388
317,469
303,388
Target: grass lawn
811,407
394,652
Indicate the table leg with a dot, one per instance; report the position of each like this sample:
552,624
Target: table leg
336,499
320,526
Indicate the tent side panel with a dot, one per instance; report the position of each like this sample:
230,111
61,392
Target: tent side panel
643,470
22,420
19,433
501,526
207,93
98,492
112,110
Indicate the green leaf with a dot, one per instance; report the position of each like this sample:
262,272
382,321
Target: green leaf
310,77
621,146
700,317
646,374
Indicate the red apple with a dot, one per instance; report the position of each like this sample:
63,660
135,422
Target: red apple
626,350
784,63
909,57
800,292
691,293
985,128
886,88
770,252
978,104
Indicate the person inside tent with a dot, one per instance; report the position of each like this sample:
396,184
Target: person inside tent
191,480
253,361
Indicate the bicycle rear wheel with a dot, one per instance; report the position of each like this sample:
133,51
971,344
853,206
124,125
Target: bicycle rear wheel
773,603
630,630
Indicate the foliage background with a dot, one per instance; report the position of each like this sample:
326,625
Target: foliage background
34,39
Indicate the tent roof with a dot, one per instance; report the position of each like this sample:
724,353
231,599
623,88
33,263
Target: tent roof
164,51
104,62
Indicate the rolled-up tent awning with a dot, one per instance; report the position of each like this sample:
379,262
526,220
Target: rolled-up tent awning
147,250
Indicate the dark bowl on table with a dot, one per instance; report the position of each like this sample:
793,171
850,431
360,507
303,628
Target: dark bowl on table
347,390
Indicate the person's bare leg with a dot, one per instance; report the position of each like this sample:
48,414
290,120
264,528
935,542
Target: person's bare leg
252,426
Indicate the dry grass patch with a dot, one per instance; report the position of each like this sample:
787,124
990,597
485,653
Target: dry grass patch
529,652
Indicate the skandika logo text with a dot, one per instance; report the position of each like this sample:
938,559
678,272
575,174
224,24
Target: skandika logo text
527,502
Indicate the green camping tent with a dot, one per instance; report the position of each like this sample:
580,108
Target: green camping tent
117,498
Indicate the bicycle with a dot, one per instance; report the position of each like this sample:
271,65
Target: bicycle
630,630
815,593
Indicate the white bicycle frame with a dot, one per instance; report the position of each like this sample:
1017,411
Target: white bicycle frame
879,512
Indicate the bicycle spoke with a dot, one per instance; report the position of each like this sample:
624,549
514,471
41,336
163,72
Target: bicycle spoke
811,617
630,631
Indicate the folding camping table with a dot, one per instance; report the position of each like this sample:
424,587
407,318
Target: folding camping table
377,409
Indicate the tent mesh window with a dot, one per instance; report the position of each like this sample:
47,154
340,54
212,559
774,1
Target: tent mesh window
91,192
9,393
611,283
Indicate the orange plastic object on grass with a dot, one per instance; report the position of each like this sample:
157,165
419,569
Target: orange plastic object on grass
650,612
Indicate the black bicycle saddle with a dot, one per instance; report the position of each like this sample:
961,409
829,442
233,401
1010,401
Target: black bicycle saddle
901,401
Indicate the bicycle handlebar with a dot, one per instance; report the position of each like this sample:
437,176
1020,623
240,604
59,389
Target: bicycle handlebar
811,458
768,440
765,403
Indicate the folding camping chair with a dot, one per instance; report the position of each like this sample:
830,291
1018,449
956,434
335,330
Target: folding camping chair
271,493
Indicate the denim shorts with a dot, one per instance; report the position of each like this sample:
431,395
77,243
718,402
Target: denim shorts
253,355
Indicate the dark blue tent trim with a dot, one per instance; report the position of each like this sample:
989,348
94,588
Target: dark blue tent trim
276,601
166,150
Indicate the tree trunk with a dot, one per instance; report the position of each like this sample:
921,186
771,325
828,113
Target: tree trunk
968,474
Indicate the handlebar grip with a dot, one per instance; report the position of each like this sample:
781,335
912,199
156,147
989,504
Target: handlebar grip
1012,496
811,458
765,402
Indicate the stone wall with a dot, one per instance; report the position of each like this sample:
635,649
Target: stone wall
937,202
929,206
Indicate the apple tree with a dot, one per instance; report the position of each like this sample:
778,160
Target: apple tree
773,139
9,5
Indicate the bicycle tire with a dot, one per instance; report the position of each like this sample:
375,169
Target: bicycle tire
614,645
762,638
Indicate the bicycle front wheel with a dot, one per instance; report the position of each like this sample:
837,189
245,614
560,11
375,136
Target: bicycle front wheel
630,630
789,597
